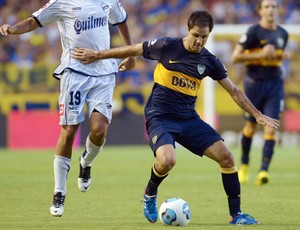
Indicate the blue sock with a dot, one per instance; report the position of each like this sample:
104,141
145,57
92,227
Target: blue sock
246,146
233,190
154,182
268,151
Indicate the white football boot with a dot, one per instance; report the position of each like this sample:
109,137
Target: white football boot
84,178
57,206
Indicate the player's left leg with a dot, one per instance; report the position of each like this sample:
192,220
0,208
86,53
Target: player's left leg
93,145
273,106
99,104
219,153
268,151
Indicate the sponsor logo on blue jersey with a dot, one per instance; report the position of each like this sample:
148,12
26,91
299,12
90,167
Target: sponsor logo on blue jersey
184,83
90,24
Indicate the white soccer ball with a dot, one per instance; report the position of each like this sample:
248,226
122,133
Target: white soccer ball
175,211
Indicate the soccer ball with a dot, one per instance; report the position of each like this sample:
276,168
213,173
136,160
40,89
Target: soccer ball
175,211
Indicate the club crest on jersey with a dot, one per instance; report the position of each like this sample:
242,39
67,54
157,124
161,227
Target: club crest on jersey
243,38
280,42
201,68
154,139
105,7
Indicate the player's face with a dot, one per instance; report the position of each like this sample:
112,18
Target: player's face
196,38
268,10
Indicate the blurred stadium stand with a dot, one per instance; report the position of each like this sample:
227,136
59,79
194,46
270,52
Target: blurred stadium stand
27,62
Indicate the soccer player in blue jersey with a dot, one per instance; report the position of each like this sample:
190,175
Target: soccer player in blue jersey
80,23
170,113
261,49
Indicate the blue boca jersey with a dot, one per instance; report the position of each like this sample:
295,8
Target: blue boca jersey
177,77
254,41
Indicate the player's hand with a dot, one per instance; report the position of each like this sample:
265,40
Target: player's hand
269,51
4,30
84,55
286,55
127,64
265,120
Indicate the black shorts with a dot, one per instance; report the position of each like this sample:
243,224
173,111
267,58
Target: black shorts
194,134
266,95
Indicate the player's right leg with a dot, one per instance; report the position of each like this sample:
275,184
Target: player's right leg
248,132
61,168
165,160
262,178
71,111
57,205
162,144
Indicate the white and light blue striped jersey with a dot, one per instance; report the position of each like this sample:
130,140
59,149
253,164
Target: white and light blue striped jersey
83,24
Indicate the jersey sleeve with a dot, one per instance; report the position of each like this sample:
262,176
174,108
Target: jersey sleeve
48,13
219,71
286,38
247,39
152,49
117,14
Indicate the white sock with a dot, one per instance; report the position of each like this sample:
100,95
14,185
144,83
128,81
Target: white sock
61,169
92,151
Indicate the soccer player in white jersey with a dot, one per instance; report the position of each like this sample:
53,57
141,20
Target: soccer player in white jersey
81,24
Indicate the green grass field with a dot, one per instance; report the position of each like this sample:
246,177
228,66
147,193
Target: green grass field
119,177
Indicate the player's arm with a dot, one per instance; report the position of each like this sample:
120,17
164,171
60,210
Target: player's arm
20,27
129,62
244,103
86,56
124,33
238,54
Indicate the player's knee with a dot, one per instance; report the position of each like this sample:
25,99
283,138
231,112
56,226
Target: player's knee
227,160
166,163
249,131
99,132
69,133
269,134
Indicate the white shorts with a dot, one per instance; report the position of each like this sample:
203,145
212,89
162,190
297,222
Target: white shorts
77,90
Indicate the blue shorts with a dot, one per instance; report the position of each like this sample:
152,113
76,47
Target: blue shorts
194,134
266,95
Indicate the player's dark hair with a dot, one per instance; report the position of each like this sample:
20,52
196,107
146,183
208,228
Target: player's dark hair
259,4
201,18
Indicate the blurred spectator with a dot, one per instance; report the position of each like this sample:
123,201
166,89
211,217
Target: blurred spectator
223,12
293,16
244,11
150,19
